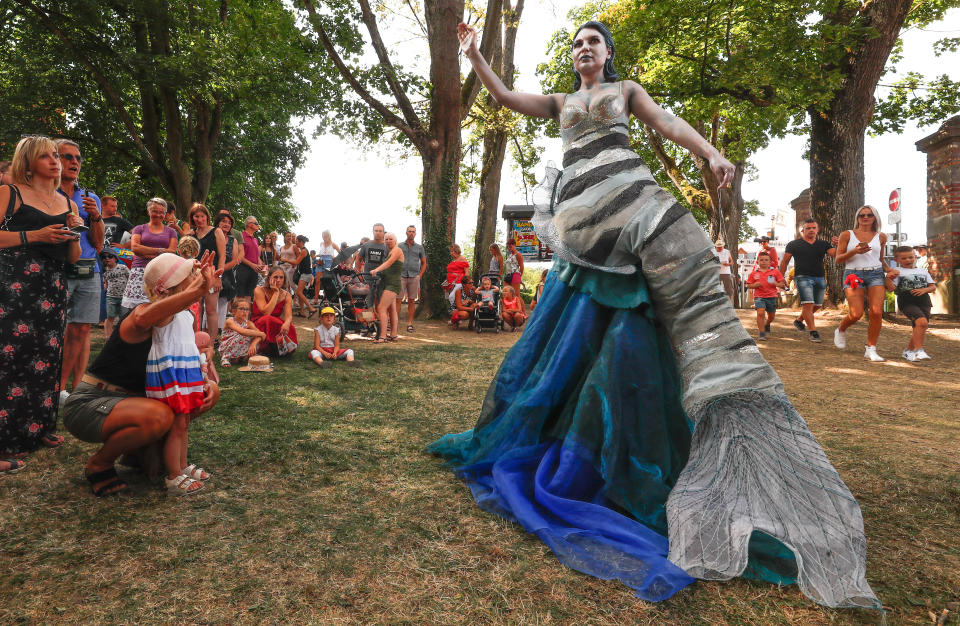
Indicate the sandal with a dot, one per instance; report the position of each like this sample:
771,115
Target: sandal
182,486
112,485
409,328
224,362
393,337
15,466
311,313
378,340
196,473
51,440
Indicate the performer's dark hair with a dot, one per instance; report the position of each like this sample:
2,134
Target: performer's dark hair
609,73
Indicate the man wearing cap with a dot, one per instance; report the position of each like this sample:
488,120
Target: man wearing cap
726,260
766,247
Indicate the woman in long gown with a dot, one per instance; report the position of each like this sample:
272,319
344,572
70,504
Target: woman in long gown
635,407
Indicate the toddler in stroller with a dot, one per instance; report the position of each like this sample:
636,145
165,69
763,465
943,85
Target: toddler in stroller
487,314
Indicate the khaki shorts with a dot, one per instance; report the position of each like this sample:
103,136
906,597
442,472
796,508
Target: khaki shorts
410,288
87,409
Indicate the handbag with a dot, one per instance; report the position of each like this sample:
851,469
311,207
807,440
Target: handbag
83,268
285,345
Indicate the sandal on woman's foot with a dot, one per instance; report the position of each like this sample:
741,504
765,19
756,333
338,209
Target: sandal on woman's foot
51,440
311,313
379,340
196,473
224,362
13,466
409,328
106,483
182,486
393,337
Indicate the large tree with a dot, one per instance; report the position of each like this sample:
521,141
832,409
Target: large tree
381,100
784,66
185,99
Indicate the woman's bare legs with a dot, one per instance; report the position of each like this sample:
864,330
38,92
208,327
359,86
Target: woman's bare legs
387,310
875,297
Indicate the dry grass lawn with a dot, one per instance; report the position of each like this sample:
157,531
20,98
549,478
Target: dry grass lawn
324,508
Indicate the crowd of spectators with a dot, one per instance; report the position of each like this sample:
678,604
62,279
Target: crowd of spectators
868,275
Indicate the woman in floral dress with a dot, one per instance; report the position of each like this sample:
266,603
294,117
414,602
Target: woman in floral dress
35,245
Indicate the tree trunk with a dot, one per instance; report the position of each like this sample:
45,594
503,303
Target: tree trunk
837,130
494,145
836,183
441,155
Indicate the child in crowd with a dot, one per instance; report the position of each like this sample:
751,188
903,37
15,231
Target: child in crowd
326,342
913,287
539,289
202,340
174,376
115,277
486,292
766,281
514,311
240,338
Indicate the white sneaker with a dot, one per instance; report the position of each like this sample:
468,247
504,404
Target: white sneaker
64,394
922,355
840,339
910,355
871,354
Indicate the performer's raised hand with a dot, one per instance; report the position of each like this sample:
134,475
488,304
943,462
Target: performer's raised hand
723,170
468,38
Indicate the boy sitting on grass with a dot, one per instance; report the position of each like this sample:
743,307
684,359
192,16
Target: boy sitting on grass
765,280
913,287
326,342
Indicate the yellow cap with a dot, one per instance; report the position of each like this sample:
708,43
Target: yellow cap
327,309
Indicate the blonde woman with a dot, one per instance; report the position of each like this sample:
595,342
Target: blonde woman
860,250
35,245
211,240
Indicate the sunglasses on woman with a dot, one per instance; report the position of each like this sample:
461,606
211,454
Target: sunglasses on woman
864,216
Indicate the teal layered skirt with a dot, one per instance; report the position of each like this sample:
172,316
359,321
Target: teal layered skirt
582,436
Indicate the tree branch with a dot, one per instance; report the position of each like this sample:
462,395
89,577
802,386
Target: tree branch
695,197
389,117
388,70
108,89
488,43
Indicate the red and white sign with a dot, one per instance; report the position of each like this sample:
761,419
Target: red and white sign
895,200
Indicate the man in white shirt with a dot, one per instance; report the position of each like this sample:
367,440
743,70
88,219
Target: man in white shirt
726,262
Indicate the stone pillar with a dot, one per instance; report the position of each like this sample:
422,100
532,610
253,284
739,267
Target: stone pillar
801,205
943,212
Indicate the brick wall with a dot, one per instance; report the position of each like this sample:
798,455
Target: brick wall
943,212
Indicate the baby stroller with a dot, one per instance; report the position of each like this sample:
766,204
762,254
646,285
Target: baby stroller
485,318
346,291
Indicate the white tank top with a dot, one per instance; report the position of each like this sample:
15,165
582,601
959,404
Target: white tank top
867,261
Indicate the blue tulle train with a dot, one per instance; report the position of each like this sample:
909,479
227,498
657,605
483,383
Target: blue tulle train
582,436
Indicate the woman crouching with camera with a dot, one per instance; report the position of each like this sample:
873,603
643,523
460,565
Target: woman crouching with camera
110,405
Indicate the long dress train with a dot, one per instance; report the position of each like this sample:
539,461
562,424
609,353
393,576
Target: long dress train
579,437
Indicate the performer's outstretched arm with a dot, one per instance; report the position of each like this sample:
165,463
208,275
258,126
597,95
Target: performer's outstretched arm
537,105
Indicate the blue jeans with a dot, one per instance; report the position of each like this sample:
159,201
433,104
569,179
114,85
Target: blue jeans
870,278
811,289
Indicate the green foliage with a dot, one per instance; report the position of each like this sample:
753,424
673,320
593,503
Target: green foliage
143,83
912,99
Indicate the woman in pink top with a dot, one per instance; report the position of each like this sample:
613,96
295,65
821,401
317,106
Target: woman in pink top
146,242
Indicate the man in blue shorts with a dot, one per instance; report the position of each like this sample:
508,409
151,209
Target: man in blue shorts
808,252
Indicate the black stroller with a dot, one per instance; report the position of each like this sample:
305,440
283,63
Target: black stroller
485,317
346,292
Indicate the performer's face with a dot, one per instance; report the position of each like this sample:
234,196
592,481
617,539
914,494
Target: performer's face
590,51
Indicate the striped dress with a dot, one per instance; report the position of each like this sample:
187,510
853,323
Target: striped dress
173,365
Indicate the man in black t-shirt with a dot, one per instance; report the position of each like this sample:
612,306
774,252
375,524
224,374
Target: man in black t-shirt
114,226
808,252
372,254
